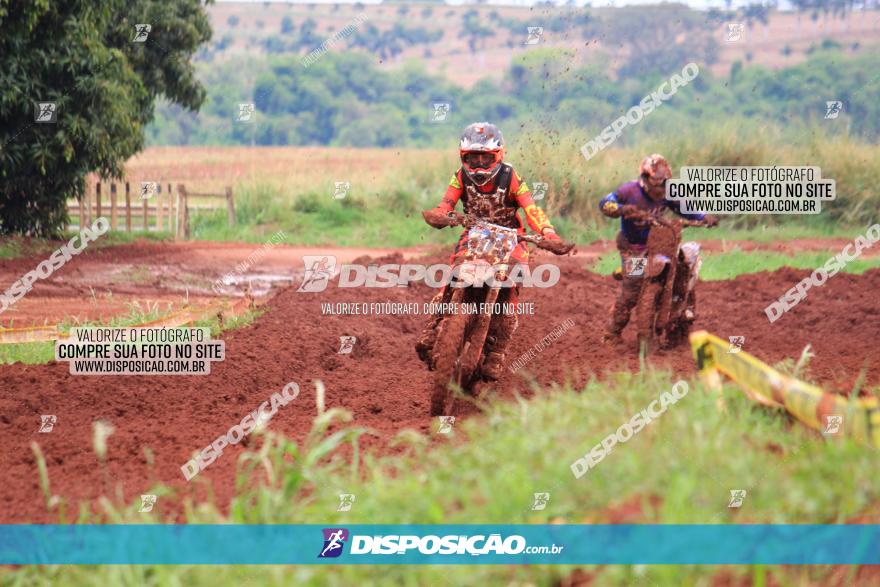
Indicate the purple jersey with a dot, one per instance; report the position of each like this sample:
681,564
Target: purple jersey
632,194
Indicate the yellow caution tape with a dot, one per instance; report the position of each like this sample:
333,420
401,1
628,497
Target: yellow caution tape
31,334
860,417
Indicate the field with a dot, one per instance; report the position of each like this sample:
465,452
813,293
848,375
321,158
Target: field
360,424
783,41
293,187
729,439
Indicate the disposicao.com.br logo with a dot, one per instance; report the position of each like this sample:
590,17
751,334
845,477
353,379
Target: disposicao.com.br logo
321,269
452,544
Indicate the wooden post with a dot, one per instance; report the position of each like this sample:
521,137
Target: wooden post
146,204
158,206
85,211
169,207
230,207
127,207
113,206
182,229
98,200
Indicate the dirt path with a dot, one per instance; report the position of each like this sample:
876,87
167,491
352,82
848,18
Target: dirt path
105,282
381,382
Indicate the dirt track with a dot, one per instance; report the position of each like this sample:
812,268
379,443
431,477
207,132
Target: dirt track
381,382
103,282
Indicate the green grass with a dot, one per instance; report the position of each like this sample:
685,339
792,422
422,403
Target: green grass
313,220
42,353
728,265
678,470
14,247
384,211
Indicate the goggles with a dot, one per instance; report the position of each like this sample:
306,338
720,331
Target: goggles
479,159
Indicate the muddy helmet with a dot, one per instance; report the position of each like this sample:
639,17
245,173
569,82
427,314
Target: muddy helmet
481,150
654,172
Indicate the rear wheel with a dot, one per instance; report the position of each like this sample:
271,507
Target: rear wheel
447,354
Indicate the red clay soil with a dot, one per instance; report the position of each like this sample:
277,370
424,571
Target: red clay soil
102,282
382,383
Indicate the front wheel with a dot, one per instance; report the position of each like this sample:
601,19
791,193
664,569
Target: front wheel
646,313
450,338
679,331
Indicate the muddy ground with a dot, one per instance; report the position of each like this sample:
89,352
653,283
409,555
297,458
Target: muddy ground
104,283
382,383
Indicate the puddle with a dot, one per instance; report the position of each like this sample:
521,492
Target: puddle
255,284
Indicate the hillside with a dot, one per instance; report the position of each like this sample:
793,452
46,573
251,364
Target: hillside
468,43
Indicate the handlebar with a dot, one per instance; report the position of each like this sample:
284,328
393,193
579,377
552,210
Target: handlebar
682,222
667,222
558,247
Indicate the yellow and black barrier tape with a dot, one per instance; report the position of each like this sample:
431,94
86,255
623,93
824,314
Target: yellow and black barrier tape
859,417
30,334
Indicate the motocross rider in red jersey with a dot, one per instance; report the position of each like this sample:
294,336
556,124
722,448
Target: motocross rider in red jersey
490,190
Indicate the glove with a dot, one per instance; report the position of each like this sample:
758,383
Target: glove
550,234
555,245
711,220
437,218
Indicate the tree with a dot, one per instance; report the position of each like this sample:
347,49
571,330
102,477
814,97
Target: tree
661,39
308,35
287,26
81,57
473,30
756,11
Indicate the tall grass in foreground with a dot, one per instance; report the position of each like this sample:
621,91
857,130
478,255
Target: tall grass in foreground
382,208
678,470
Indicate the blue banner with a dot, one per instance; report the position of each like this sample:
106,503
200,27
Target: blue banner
28,544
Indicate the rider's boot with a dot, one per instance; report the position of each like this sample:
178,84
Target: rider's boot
611,338
690,313
425,343
500,336
623,306
691,253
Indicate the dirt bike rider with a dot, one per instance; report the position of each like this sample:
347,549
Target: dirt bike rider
491,190
634,202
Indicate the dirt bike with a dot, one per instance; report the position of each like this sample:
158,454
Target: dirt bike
667,300
458,351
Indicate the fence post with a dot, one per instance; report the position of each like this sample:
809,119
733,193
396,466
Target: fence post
185,214
127,207
98,200
146,205
85,212
182,228
230,206
169,207
159,206
113,206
